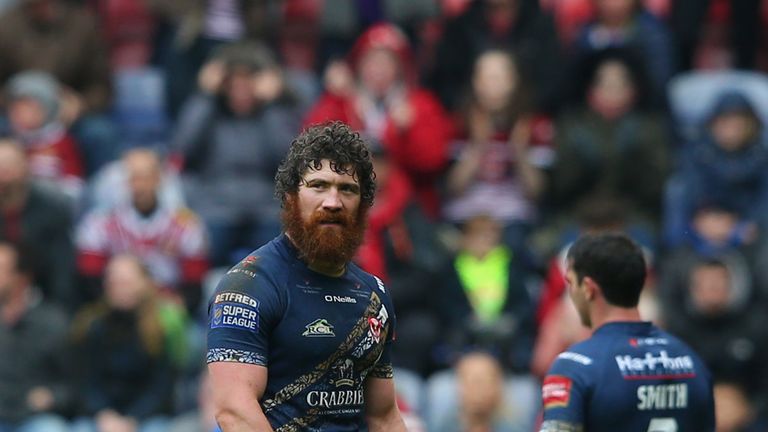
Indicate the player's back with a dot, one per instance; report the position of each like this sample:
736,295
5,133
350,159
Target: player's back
629,376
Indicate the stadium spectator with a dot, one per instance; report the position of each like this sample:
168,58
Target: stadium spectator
400,246
625,24
609,147
61,37
495,171
34,369
33,115
480,380
377,94
478,395
128,343
710,304
196,28
110,187
41,218
518,25
483,300
170,240
232,134
727,165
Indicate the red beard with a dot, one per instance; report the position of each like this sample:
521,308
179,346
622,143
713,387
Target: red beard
333,246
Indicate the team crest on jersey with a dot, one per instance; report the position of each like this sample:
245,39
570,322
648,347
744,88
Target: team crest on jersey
319,328
375,326
556,391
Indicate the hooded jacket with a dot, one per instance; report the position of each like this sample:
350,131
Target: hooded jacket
420,149
735,179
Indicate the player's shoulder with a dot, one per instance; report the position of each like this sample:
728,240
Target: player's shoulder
369,280
580,357
261,269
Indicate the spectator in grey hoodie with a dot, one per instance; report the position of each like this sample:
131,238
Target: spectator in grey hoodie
231,137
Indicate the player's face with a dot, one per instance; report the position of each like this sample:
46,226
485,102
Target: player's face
328,192
324,219
576,292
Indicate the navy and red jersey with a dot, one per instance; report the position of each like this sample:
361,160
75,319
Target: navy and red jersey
320,337
629,376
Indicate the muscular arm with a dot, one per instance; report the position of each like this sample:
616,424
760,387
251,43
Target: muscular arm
381,412
237,388
560,426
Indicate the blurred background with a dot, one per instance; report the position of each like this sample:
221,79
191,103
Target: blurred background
139,141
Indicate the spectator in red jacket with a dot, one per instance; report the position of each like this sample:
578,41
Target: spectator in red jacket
375,92
34,119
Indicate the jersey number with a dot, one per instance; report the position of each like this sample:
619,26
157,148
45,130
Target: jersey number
662,425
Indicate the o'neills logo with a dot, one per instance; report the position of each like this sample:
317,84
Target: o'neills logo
335,399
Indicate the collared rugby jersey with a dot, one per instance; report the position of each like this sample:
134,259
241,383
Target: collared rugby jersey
318,336
628,377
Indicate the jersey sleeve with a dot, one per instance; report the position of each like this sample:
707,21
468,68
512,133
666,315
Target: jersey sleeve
383,367
244,310
565,391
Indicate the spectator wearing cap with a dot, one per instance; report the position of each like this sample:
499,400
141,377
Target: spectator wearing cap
34,119
727,165
231,135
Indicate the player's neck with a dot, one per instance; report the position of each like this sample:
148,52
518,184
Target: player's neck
615,314
328,269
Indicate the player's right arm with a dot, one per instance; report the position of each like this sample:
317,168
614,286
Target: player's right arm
243,312
564,393
237,388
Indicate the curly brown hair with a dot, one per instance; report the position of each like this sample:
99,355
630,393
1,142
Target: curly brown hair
335,141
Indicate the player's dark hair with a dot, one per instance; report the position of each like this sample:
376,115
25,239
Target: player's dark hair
615,262
335,141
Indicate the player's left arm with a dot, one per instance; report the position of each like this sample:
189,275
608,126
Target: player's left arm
381,412
564,393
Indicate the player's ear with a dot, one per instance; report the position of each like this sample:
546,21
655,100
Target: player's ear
590,287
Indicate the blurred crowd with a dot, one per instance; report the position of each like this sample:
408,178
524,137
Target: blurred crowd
139,141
